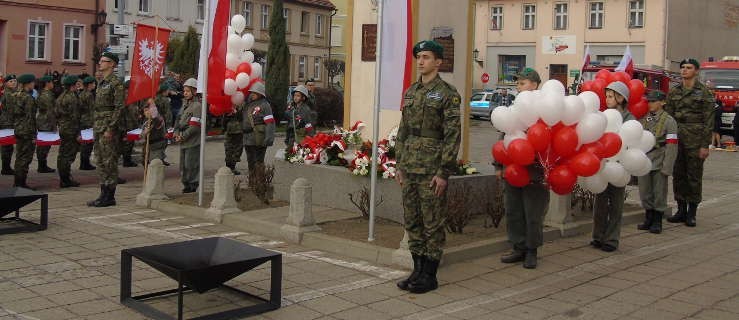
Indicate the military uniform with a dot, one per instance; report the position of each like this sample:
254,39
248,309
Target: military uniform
693,110
298,116
130,120
164,106
155,129
234,136
45,121
85,111
24,122
6,122
67,108
259,131
188,127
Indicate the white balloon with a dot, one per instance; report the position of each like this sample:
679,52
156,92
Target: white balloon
500,117
231,30
242,80
256,70
633,160
618,155
623,181
591,127
513,136
631,132
232,61
551,107
237,98
591,100
525,113
525,98
553,86
234,44
647,141
645,169
248,41
229,87
613,171
573,111
615,120
595,183
246,56
238,22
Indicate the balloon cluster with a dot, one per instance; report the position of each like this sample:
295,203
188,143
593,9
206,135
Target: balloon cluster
241,70
571,139
637,102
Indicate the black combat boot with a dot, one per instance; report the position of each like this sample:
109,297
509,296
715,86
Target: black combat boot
530,261
65,181
690,217
111,196
418,261
85,164
7,169
656,226
426,280
648,219
20,182
514,256
43,168
682,211
101,197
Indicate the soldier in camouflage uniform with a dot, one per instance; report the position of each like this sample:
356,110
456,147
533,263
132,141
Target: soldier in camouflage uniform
692,106
6,122
259,126
109,104
164,109
130,120
234,136
427,146
24,120
653,186
187,133
299,115
45,121
67,109
86,101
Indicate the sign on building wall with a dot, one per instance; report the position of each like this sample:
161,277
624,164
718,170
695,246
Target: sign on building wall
445,37
369,42
559,44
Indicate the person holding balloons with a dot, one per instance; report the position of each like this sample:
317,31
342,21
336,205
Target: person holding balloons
609,204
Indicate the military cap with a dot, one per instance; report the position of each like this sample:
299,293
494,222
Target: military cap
656,95
46,79
429,45
26,78
690,61
111,56
163,87
10,77
528,73
69,80
88,80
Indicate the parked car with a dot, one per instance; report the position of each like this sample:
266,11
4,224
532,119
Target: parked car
482,103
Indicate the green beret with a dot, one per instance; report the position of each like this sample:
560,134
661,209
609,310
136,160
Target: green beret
690,61
46,79
26,78
88,80
528,73
10,77
163,87
429,45
656,95
111,56
69,80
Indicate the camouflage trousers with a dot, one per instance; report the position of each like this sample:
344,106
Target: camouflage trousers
687,176
524,213
425,216
255,155
234,146
106,158
653,191
23,155
42,152
156,150
67,152
607,213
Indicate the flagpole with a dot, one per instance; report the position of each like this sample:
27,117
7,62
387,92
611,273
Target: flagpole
375,124
204,104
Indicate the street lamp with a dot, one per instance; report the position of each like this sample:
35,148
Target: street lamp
475,53
100,18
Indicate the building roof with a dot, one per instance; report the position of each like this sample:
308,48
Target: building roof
326,4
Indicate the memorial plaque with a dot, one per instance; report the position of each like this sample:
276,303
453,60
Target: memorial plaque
369,42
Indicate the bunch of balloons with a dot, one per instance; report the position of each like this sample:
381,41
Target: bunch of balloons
241,70
637,102
571,139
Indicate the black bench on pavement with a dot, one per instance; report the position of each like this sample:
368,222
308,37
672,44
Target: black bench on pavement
12,200
201,265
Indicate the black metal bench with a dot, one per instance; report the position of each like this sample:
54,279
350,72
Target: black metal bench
12,200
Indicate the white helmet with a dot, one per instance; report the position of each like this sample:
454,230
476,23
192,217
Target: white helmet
191,83
258,87
620,88
302,89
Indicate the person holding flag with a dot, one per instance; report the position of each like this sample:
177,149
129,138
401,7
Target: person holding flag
68,111
45,121
23,114
187,134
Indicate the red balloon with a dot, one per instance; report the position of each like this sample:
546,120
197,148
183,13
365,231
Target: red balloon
594,147
585,164
216,111
244,67
564,142
521,152
586,86
636,90
230,74
611,144
540,136
500,155
605,75
621,76
639,109
562,179
516,175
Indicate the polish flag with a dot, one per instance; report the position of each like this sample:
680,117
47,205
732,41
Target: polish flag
671,138
7,137
627,63
86,136
269,119
213,57
150,50
48,139
586,58
397,58
134,135
194,121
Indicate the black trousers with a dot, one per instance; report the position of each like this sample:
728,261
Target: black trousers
255,155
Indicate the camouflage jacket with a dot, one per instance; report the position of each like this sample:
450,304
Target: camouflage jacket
232,121
429,132
664,128
259,124
165,109
86,100
693,109
6,107
109,104
68,111
190,123
46,119
24,115
131,116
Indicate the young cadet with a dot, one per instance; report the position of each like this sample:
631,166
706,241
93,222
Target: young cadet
609,204
653,186
154,129
259,126
188,135
299,115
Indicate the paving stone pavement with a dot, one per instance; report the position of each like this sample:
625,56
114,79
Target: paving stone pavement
72,270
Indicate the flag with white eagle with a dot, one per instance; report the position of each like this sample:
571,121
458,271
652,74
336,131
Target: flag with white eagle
148,62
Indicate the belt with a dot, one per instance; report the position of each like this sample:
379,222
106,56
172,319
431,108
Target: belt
426,133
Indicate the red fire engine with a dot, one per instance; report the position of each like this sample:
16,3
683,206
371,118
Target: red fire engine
723,78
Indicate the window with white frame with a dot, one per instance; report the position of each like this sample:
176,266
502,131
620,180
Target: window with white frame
72,43
560,16
317,68
496,18
144,6
337,35
305,22
529,17
246,12
319,24
38,34
286,14
301,67
636,13
265,16
595,20
173,8
115,4
201,10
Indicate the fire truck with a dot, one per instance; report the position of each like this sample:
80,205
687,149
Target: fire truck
654,77
723,78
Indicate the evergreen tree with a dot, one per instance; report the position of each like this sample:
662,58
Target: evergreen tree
278,61
185,60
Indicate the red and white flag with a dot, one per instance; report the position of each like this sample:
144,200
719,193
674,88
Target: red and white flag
627,62
586,58
149,52
269,119
7,137
213,57
48,139
87,136
671,138
134,135
194,121
397,53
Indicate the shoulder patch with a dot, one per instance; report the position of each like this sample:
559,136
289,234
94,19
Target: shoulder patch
455,99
